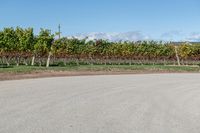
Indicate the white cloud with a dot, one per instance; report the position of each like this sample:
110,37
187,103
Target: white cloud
139,36
194,37
126,36
173,35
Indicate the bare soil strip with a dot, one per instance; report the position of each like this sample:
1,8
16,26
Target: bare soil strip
43,74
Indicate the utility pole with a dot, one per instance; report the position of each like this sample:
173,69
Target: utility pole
59,31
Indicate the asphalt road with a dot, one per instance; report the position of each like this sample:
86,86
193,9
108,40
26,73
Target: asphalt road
152,103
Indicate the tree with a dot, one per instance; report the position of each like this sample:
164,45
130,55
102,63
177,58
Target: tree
43,44
1,44
20,44
25,43
177,57
185,51
10,42
29,41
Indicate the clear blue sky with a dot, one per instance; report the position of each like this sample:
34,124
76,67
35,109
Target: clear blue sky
175,19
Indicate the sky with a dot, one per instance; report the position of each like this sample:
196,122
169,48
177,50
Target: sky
171,20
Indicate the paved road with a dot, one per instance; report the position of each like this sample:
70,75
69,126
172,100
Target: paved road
153,103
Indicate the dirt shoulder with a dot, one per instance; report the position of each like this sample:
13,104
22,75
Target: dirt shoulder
27,72
43,74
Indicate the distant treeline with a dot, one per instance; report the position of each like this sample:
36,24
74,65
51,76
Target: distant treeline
22,46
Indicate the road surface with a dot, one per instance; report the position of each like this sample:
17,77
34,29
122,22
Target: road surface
152,103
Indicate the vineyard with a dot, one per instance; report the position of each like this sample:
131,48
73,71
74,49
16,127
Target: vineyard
20,46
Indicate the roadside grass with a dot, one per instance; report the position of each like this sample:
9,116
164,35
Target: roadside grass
114,68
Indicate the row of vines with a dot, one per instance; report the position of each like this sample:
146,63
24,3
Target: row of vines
20,46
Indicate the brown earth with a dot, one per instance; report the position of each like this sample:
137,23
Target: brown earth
43,74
